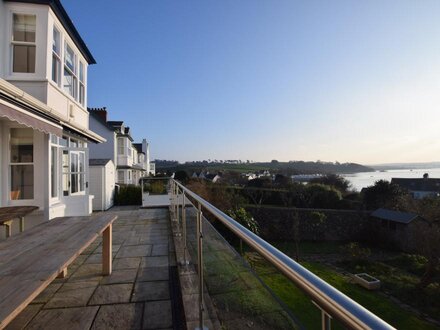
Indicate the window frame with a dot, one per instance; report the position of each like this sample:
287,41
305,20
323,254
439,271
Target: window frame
72,71
73,147
121,146
21,43
57,57
11,164
82,83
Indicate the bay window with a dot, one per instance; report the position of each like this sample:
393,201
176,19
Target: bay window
21,163
56,56
24,43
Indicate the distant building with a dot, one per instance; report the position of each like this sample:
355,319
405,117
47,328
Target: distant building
397,227
132,160
421,187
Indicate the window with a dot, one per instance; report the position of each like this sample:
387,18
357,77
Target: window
121,176
70,79
54,172
23,43
82,89
22,163
121,149
129,176
73,166
73,172
56,56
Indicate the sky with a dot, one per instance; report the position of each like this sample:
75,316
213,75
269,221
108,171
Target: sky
348,81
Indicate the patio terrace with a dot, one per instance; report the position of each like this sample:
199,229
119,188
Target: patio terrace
139,294
156,278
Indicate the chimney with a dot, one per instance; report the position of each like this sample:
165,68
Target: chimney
101,112
426,176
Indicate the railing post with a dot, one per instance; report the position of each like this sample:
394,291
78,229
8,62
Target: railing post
185,261
177,205
326,319
200,264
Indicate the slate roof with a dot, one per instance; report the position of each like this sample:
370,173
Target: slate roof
98,161
138,147
395,216
422,184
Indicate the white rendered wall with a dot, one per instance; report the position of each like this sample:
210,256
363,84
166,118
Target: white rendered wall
106,150
40,84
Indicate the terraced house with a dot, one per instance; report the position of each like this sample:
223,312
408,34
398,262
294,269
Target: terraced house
132,160
44,123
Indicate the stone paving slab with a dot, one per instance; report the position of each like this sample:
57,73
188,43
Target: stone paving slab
157,315
77,318
72,294
124,316
153,274
161,261
134,251
147,291
126,263
120,276
112,294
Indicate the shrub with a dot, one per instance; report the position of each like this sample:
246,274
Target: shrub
128,195
357,252
245,219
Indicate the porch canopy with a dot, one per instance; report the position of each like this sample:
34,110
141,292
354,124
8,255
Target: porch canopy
29,119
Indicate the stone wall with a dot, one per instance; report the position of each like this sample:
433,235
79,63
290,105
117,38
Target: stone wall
277,223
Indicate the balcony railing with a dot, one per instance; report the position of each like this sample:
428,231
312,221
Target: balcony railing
331,303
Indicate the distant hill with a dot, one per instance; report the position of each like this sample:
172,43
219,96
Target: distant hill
405,166
286,168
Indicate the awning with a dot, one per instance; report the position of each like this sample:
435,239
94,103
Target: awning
28,119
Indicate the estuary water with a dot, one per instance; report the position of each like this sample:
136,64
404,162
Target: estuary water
365,179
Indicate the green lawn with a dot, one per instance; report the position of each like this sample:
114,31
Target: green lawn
308,314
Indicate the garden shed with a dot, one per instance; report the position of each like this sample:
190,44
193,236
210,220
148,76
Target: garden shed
102,183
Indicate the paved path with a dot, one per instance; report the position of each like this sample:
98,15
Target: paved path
137,295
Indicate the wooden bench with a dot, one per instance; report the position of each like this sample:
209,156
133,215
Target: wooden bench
31,260
10,213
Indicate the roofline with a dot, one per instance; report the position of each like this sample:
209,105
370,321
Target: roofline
64,18
101,121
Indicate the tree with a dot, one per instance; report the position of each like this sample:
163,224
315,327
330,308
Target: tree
384,194
333,180
181,176
281,180
256,189
322,196
426,236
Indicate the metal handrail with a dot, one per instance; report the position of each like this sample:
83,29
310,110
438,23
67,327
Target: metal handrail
330,300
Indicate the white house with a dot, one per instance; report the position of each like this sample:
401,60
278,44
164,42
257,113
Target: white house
44,123
132,159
